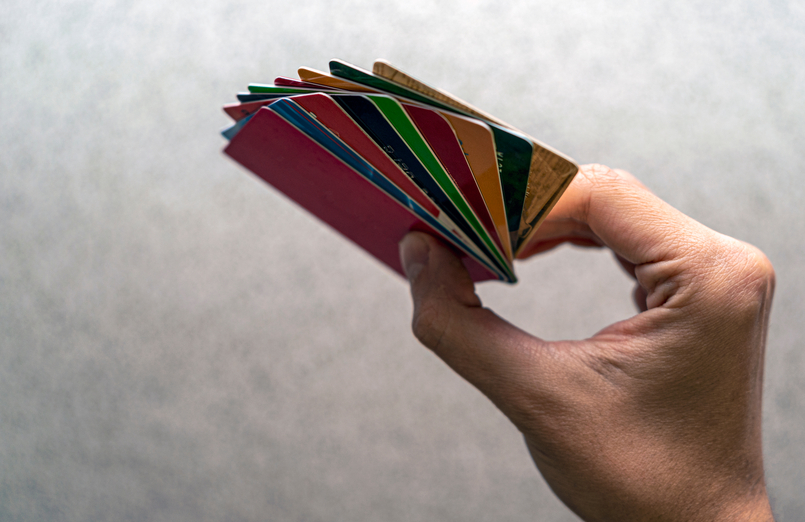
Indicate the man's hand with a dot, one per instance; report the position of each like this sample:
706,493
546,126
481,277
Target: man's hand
656,417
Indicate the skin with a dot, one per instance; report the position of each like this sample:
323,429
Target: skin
657,417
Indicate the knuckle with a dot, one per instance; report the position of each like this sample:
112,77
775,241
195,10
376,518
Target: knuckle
742,275
596,173
430,322
754,270
600,176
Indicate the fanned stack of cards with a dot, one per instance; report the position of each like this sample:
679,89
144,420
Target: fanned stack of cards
377,154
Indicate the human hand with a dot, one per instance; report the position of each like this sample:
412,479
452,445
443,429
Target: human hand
657,417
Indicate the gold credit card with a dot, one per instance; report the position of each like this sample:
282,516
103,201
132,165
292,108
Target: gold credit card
550,172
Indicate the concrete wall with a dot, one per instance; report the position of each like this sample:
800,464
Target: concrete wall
179,342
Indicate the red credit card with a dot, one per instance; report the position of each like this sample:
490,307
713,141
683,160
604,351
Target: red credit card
297,166
442,140
282,81
331,115
238,111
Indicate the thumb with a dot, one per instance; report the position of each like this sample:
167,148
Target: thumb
496,357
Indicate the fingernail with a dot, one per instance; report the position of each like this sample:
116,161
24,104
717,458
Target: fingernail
414,252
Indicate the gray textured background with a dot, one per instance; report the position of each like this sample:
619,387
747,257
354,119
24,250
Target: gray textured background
179,342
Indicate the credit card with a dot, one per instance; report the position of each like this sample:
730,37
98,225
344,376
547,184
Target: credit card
378,153
375,123
550,171
309,124
259,88
443,141
250,97
387,71
513,148
325,80
238,111
328,188
290,82
478,143
327,112
396,115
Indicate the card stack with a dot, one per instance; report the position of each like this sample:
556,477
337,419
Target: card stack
377,154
